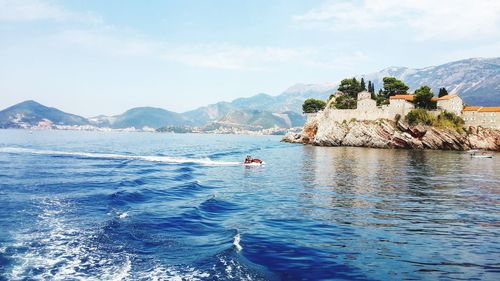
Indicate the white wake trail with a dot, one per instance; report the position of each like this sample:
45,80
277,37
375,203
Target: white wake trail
149,158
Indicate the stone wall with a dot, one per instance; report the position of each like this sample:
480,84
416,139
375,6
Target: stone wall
368,110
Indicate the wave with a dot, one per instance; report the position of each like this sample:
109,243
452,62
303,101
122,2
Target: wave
148,158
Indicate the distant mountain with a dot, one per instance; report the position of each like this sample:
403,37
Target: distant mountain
209,113
282,104
103,120
140,117
476,80
263,119
30,113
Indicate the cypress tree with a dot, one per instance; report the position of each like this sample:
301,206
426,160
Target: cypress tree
442,92
371,87
362,84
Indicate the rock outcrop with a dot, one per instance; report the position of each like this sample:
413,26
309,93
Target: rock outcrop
390,134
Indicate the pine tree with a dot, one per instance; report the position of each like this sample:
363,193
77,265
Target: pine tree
393,86
362,84
350,86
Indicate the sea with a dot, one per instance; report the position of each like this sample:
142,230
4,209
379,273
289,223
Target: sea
159,206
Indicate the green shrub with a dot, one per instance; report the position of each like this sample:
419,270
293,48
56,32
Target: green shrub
346,102
397,117
381,100
449,120
420,116
445,119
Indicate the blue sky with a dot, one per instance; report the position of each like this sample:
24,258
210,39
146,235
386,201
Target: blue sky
104,57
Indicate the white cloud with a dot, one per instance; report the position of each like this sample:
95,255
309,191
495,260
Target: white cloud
105,40
429,19
233,57
31,10
222,56
39,10
95,36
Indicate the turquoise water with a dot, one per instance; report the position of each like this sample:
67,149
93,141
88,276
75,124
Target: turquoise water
139,206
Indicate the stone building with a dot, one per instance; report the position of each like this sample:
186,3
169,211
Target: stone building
367,109
451,103
402,103
486,117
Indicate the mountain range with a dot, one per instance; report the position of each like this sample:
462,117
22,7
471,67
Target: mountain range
476,80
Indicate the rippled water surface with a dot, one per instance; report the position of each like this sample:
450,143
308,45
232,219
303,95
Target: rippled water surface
138,206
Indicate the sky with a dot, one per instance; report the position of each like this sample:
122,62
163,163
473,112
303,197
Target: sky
104,57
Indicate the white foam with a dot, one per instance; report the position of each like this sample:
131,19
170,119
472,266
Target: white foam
65,251
150,158
122,215
236,242
233,270
173,273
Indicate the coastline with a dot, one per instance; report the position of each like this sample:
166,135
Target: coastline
283,131
390,134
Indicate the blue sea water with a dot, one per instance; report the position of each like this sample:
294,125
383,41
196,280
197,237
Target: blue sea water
140,206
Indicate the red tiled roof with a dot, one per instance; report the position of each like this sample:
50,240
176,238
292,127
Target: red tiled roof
402,97
490,109
471,108
482,108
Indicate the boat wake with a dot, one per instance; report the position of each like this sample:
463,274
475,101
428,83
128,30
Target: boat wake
149,158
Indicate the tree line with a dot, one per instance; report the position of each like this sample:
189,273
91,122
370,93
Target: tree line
350,87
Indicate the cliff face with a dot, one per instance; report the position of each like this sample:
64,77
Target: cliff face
389,134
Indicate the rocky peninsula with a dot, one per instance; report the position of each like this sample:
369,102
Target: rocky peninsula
383,133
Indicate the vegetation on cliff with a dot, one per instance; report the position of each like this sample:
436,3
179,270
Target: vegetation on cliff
443,120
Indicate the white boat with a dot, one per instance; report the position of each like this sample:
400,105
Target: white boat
482,156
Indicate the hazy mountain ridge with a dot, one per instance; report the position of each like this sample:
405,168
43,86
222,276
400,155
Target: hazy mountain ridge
30,113
477,80
152,117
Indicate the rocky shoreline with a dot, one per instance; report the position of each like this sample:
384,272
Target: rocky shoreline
391,134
